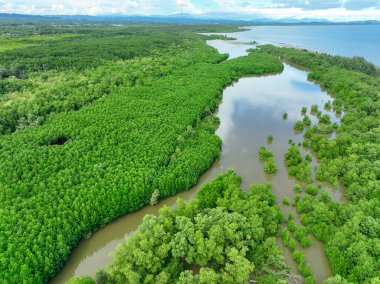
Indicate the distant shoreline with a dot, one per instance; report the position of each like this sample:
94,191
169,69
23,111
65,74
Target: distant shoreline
183,18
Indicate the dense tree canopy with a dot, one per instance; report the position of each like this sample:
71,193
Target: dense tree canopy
225,235
350,231
149,129
97,120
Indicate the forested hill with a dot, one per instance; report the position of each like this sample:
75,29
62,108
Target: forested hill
89,133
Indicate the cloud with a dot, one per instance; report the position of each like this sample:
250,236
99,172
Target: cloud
362,4
335,15
309,4
98,7
302,4
187,6
337,10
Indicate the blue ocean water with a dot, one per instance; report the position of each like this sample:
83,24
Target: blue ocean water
345,40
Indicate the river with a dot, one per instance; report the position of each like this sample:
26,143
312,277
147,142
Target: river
251,109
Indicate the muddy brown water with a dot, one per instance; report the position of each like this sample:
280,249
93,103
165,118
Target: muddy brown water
251,109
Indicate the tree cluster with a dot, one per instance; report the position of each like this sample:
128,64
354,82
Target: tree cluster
85,166
225,235
350,231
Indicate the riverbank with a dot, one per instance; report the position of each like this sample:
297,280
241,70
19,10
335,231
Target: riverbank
250,110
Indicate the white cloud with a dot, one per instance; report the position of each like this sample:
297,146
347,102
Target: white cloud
334,14
187,6
98,7
336,10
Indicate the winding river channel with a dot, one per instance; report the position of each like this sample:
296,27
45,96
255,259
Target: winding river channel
251,109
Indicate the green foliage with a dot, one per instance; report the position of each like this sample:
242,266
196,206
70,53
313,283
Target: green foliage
314,109
284,116
293,156
221,37
285,236
328,105
270,166
309,280
301,236
154,197
300,233
226,243
285,201
305,270
292,226
270,139
146,126
292,244
298,125
315,60
309,132
304,110
302,172
210,192
298,167
336,279
351,158
72,83
102,277
325,119
302,267
68,69
308,158
297,188
298,256
103,96
264,154
82,280
306,121
297,198
306,242
324,128
290,216
312,189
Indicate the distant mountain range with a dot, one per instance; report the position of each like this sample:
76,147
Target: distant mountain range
184,18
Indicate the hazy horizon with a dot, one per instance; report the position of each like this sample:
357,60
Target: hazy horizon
332,10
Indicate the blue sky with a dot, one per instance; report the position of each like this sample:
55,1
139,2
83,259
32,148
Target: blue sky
336,10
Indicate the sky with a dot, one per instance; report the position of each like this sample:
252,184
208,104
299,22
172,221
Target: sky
334,10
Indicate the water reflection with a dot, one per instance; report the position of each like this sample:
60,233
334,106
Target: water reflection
251,110
233,48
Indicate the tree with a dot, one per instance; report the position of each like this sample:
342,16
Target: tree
298,125
270,166
154,197
285,201
314,109
303,110
306,121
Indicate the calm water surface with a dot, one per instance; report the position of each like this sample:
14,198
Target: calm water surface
345,40
251,109
233,48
